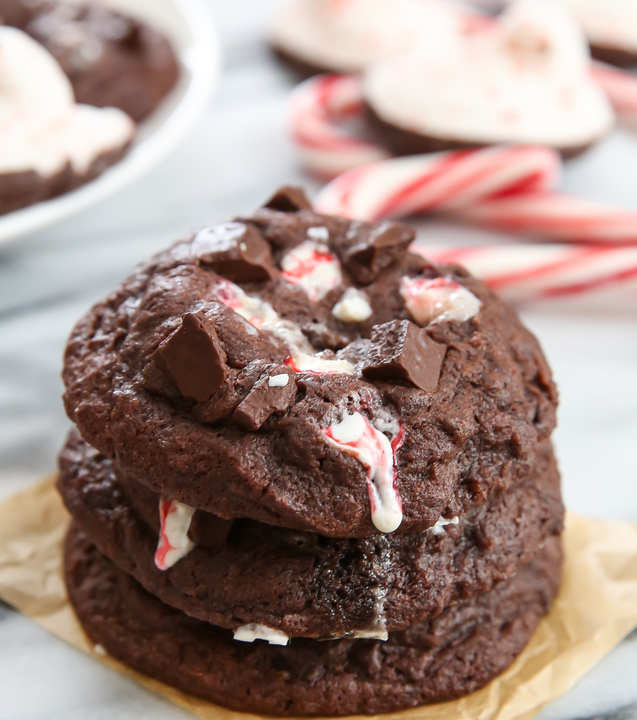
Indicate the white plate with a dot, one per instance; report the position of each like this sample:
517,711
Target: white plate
187,24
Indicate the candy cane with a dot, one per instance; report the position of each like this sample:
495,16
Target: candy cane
531,273
508,188
318,108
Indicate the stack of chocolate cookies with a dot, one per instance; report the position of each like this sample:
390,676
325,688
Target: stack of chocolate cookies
311,472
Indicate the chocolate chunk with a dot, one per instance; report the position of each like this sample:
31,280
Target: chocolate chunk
271,393
209,531
401,350
194,358
289,199
367,250
235,251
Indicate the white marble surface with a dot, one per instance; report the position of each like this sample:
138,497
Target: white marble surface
233,159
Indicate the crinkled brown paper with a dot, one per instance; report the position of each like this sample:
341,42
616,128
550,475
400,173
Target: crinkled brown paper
597,607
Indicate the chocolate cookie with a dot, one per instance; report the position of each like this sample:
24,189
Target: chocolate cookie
111,59
457,653
303,584
308,371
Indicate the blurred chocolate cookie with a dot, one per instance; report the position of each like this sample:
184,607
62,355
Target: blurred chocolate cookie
111,59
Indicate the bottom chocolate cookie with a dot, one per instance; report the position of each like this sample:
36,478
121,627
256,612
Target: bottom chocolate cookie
455,654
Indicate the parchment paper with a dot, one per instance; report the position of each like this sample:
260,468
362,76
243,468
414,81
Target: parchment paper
596,609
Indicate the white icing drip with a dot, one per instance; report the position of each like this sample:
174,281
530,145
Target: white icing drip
349,35
251,632
262,315
611,23
174,542
355,436
438,300
312,267
278,380
353,306
439,527
99,650
41,127
524,80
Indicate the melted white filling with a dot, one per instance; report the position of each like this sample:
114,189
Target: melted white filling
353,306
174,542
438,300
41,127
312,267
355,436
524,80
262,315
251,632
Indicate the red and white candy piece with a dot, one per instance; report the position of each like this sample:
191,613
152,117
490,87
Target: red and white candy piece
312,267
174,542
438,300
355,436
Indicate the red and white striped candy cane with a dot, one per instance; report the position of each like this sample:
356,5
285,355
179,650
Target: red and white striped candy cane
603,276
319,107
439,182
507,188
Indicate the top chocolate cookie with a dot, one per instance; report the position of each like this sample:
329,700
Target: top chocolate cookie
309,371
